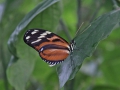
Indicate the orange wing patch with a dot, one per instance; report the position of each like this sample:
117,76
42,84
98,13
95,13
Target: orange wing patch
54,54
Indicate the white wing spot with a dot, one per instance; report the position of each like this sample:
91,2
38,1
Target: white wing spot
41,36
41,49
67,51
68,46
48,32
45,33
51,65
35,31
36,41
27,37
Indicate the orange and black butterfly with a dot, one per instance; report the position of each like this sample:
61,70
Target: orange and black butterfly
52,48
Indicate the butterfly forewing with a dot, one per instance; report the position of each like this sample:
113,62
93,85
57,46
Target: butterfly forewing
52,48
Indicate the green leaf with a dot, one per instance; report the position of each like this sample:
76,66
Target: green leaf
87,42
26,55
19,73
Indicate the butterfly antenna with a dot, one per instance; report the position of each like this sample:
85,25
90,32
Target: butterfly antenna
82,30
79,28
85,29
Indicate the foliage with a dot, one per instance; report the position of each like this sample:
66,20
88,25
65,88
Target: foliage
25,70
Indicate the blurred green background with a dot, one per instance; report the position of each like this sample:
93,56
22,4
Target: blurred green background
101,71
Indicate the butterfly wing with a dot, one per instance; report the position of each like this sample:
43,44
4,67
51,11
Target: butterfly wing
52,48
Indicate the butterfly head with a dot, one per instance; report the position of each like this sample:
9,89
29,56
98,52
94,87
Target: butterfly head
72,45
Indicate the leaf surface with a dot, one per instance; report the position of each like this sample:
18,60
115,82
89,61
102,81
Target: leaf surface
87,41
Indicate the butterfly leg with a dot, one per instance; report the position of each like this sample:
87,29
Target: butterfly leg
72,61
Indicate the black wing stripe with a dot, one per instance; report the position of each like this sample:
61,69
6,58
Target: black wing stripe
53,46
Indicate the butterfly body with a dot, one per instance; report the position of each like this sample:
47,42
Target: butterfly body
52,48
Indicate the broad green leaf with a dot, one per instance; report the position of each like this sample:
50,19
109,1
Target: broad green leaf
87,42
19,73
35,19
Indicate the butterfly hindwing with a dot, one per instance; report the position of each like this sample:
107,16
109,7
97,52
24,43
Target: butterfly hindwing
52,48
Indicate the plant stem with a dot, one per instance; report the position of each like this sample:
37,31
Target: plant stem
2,57
65,29
78,13
70,85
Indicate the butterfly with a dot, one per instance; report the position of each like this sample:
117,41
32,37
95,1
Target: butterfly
52,48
